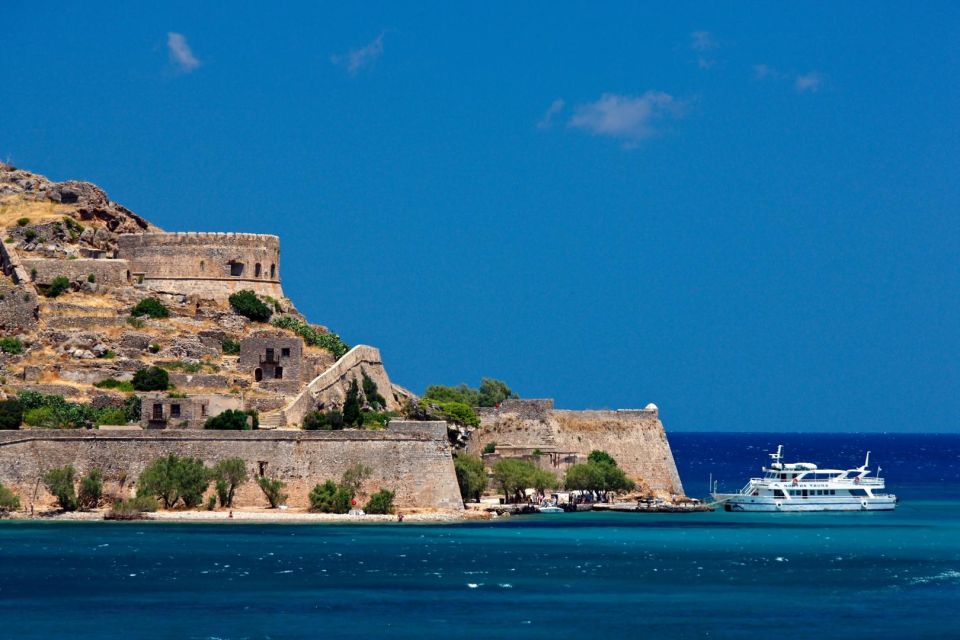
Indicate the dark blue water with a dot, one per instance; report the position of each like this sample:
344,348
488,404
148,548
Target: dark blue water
713,575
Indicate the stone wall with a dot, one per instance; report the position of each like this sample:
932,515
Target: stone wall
204,264
634,437
113,273
414,461
19,309
329,389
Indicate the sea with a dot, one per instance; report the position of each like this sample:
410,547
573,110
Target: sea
697,575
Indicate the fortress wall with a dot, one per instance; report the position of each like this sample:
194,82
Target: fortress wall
204,263
19,308
412,460
634,437
330,387
113,273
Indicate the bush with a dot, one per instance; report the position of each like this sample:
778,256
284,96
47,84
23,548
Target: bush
230,347
490,394
380,503
377,419
112,415
30,235
132,509
53,412
22,222
371,393
314,337
58,286
232,420
151,379
330,498
91,490
354,477
59,482
11,345
471,476
273,490
8,501
136,323
490,447
172,479
11,414
247,304
229,474
351,406
150,307
323,421
600,473
92,278
113,383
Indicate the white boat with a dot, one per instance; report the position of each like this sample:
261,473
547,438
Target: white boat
801,486
549,507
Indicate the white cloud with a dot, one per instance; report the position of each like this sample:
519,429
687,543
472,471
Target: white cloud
808,82
703,42
555,108
180,52
765,71
356,59
628,118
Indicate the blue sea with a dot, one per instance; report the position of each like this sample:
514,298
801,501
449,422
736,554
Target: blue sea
701,575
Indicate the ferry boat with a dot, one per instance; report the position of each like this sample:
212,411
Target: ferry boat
801,486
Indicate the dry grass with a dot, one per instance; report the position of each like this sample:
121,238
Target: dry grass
12,208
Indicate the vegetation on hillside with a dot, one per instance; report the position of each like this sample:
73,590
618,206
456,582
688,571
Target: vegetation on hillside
233,420
172,479
8,500
471,476
247,304
151,379
150,307
312,336
490,393
599,473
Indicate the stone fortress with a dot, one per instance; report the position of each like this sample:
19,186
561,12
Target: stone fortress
112,259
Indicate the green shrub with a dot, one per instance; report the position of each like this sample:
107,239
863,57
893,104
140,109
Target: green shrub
136,323
11,414
59,482
22,222
247,304
58,286
490,447
111,415
330,498
91,490
172,479
151,379
230,347
113,383
371,393
11,344
109,354
54,412
374,420
351,406
231,420
314,337
228,475
491,393
150,307
471,476
212,500
354,477
323,421
154,348
132,509
132,408
8,501
92,278
381,502
273,490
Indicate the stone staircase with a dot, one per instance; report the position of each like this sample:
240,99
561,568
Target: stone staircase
272,420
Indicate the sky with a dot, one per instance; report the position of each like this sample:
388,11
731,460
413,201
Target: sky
745,213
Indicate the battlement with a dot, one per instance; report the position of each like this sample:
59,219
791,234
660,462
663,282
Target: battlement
197,238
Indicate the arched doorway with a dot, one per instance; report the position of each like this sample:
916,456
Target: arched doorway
258,374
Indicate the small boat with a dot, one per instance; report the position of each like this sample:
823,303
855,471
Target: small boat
549,507
801,486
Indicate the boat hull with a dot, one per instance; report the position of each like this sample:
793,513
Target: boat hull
764,504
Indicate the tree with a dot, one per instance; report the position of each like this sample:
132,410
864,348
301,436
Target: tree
323,421
541,480
59,482
584,477
273,490
150,307
493,392
354,477
229,420
91,489
11,414
151,379
172,479
247,304
490,447
380,503
461,393
351,406
371,393
471,476
8,500
229,474
514,476
599,474
601,457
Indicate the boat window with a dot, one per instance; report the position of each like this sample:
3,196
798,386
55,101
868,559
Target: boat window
859,493
783,476
777,493
833,492
804,493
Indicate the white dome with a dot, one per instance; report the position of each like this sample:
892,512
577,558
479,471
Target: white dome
650,407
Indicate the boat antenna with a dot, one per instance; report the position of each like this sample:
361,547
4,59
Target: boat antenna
776,457
866,463
710,486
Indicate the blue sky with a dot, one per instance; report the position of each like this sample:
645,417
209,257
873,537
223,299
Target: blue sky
745,213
